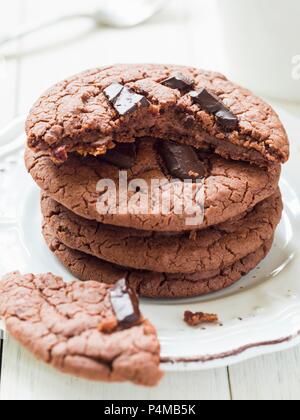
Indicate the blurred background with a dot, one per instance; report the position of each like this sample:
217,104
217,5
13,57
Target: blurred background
255,42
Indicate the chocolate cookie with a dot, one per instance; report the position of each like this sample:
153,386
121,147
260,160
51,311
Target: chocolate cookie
91,330
212,249
229,188
151,284
92,111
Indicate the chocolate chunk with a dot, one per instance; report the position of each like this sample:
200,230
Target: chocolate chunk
113,91
181,160
128,101
123,156
193,319
123,99
227,120
125,305
179,81
213,105
207,100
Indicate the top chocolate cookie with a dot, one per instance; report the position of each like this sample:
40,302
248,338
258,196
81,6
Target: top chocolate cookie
91,112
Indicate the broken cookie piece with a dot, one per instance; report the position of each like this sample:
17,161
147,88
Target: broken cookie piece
59,323
193,319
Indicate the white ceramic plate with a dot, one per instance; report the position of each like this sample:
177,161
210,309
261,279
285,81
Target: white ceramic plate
260,314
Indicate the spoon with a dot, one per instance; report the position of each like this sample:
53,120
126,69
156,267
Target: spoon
114,13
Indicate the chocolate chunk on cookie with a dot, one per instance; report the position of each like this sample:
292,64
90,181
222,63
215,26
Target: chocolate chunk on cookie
179,81
228,189
208,250
124,100
150,284
113,91
181,161
94,110
123,156
60,323
125,304
210,103
226,119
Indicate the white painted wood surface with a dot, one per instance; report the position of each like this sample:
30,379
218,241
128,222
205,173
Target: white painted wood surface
185,33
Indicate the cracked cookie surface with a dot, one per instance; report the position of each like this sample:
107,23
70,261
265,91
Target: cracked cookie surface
59,323
76,115
212,249
151,284
229,189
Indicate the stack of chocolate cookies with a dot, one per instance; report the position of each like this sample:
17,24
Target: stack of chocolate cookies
131,127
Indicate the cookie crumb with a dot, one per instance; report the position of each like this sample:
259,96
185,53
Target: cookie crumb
193,319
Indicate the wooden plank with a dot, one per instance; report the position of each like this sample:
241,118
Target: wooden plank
8,79
273,377
23,377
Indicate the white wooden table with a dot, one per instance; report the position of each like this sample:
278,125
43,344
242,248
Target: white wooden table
185,33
